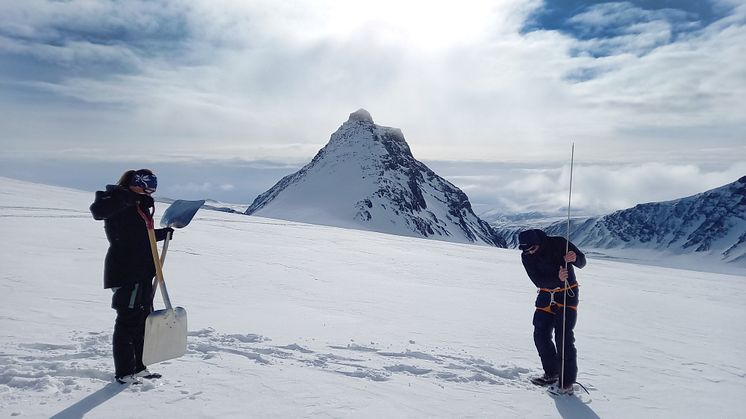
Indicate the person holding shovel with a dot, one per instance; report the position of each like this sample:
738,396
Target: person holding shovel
129,267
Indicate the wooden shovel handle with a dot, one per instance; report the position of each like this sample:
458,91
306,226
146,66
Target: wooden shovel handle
156,260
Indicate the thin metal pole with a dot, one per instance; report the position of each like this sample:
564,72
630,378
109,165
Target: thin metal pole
567,249
569,202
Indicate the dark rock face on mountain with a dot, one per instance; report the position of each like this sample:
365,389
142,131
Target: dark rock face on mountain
712,222
367,178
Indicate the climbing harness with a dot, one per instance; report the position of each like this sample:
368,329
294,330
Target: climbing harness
553,302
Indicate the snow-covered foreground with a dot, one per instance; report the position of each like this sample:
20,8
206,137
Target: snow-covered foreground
291,320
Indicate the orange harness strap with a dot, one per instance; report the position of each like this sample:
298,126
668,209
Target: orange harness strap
548,308
553,290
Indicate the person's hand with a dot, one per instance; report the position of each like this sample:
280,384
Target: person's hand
571,257
169,232
563,274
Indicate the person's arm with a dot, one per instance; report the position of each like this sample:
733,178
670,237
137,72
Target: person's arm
575,256
540,277
531,271
109,203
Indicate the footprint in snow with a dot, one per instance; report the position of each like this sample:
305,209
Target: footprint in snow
360,361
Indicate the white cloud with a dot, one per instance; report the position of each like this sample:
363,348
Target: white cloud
193,187
601,187
597,189
272,80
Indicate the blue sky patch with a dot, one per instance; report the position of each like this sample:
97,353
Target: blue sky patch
606,28
90,42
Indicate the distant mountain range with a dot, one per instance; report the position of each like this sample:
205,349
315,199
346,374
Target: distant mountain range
367,178
712,222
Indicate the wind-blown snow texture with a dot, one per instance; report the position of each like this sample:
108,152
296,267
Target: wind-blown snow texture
367,178
291,320
711,224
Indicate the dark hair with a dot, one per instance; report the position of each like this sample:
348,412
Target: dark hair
126,178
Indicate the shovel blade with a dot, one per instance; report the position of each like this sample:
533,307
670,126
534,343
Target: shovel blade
180,213
165,335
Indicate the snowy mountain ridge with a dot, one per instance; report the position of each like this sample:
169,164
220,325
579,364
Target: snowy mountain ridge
711,222
367,178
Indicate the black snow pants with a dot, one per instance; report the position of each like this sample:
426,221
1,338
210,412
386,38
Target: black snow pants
546,324
133,304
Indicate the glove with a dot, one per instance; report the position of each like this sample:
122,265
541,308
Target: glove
146,200
169,232
131,199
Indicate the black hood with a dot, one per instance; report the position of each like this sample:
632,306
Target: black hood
529,238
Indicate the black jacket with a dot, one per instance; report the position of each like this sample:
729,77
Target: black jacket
543,266
129,259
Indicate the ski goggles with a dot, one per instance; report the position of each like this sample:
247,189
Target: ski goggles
147,182
529,250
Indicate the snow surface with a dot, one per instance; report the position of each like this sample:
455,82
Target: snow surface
294,320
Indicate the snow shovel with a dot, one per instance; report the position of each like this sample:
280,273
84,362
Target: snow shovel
178,215
165,330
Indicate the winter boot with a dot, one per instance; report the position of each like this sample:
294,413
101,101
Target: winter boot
568,390
128,379
545,380
147,374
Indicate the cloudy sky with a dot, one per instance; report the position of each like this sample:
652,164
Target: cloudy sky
223,97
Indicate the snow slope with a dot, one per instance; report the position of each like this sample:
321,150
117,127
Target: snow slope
367,178
295,320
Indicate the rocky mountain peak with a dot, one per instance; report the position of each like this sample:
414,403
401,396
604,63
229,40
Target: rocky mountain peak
366,177
360,115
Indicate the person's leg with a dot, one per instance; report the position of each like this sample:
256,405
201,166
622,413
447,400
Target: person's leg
143,304
543,327
139,339
569,353
125,329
